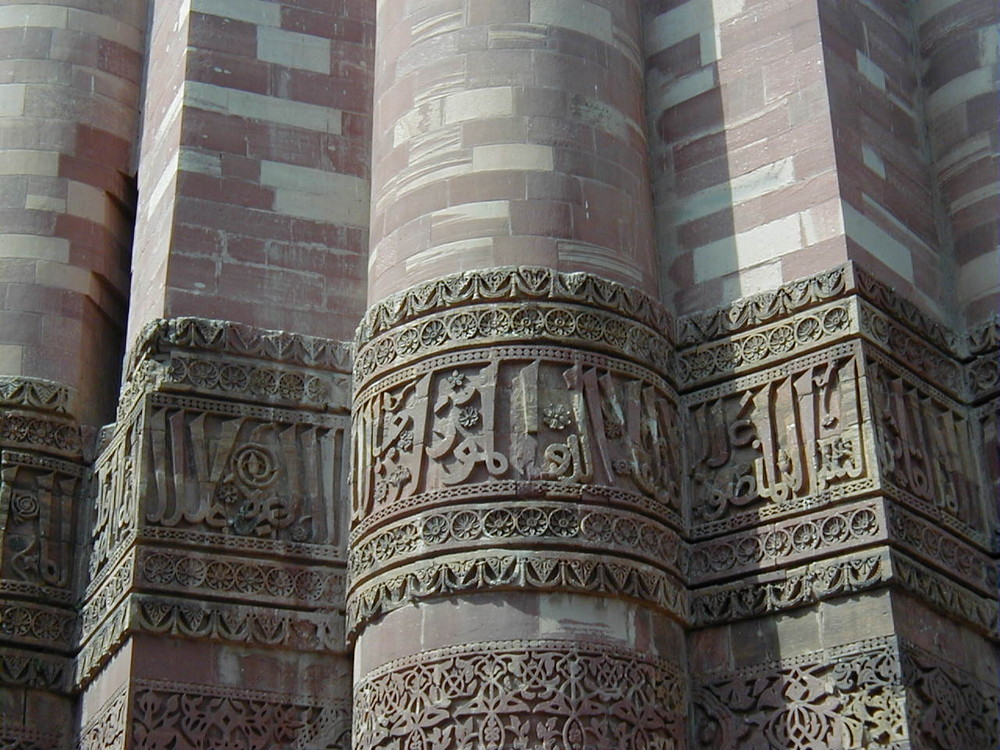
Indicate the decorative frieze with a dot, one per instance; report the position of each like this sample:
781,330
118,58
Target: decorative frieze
108,726
521,694
34,394
849,697
946,705
521,414
778,442
517,523
525,283
532,570
927,449
790,588
169,714
765,307
764,345
787,542
882,692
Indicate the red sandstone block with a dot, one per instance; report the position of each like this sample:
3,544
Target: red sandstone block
573,44
228,35
354,125
236,192
270,286
701,231
192,272
705,175
981,212
695,116
543,218
74,47
312,259
975,175
677,60
538,102
345,156
752,29
977,240
119,60
416,203
652,8
274,142
350,30
552,186
332,235
230,71
814,161
800,196
51,363
17,327
31,297
560,133
983,115
102,147
241,167
25,43
474,187
593,224
571,75
244,249
814,259
193,240
691,153
211,215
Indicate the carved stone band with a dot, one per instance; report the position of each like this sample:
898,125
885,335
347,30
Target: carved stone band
495,570
521,694
523,524
506,284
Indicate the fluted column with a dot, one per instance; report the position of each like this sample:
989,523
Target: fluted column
69,94
514,558
958,44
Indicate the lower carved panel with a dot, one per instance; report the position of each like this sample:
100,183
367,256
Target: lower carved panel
838,698
197,717
514,694
26,738
106,730
947,708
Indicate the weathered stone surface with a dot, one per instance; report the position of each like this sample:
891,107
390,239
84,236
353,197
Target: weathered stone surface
672,420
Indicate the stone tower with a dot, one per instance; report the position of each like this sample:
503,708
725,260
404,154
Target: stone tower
536,374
